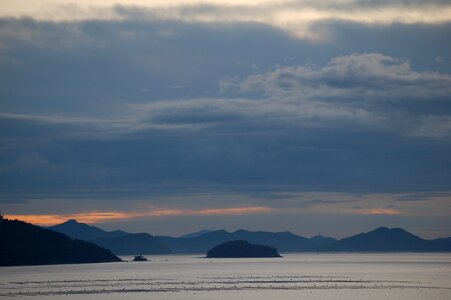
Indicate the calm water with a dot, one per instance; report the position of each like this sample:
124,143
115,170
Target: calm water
318,276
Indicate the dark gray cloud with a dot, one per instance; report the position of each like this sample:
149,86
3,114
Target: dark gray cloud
88,67
249,150
424,196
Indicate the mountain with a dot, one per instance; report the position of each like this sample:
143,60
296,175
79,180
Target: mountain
206,241
320,240
118,241
443,243
241,249
130,244
26,244
380,240
383,239
283,241
195,234
85,232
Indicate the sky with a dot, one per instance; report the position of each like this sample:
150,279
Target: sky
168,117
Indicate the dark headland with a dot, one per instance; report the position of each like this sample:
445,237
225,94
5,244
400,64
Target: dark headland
241,249
26,244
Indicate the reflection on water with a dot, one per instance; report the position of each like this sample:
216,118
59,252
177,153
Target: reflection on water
325,275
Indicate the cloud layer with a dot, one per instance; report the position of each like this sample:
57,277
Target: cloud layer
334,110
359,77
297,17
102,217
294,124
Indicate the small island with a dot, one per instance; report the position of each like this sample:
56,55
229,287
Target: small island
139,258
241,249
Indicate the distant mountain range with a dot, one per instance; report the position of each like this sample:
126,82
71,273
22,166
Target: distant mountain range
119,242
379,240
85,232
132,244
195,234
26,244
282,241
383,239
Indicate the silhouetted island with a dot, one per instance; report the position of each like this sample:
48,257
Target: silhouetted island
26,244
139,258
241,249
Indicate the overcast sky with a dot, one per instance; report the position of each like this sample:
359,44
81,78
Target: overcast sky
173,116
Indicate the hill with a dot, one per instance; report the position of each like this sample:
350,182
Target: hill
85,232
380,240
131,244
121,242
383,239
284,241
118,241
195,234
241,249
320,240
26,244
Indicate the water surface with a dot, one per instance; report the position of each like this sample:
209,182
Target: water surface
318,276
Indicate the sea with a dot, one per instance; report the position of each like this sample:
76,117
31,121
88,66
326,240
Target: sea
294,276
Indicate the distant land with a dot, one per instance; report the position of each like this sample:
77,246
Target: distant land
119,242
241,249
195,234
283,241
379,240
85,232
383,239
132,244
123,243
26,244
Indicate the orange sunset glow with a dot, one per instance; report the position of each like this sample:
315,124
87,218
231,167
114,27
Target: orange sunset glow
100,217
379,211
